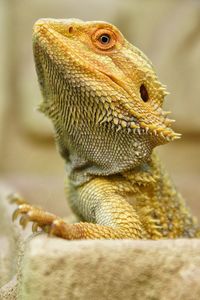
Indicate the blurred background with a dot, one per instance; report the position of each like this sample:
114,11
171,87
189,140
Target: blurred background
167,31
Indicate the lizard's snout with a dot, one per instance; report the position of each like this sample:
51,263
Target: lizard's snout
59,25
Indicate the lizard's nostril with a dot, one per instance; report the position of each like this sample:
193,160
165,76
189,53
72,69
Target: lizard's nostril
70,29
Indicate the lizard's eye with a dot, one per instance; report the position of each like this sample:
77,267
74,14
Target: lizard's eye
104,39
143,93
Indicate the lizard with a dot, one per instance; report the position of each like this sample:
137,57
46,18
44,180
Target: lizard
105,101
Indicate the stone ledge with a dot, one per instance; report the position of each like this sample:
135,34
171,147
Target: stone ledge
11,241
52,268
120,269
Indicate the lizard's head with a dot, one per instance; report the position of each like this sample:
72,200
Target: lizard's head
101,92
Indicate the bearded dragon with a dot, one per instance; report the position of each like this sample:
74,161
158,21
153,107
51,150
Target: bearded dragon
105,101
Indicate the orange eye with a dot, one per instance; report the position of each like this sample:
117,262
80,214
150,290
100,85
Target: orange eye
104,39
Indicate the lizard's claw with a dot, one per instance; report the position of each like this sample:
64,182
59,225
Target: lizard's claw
24,219
16,199
35,227
22,209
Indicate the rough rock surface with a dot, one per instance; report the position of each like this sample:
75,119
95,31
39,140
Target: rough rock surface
58,269
10,239
51,268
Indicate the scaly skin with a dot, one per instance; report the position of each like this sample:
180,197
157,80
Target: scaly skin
105,102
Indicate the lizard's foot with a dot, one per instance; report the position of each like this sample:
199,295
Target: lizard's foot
38,216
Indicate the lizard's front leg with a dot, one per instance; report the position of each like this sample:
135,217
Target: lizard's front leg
107,213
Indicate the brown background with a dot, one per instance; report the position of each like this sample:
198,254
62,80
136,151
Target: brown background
167,31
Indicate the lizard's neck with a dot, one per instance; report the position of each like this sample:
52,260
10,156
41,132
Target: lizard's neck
81,171
101,151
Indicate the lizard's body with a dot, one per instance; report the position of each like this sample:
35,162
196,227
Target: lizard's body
105,102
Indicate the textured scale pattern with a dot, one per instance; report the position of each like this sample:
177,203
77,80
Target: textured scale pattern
105,101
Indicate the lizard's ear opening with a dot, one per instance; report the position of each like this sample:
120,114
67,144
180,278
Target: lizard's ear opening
144,93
